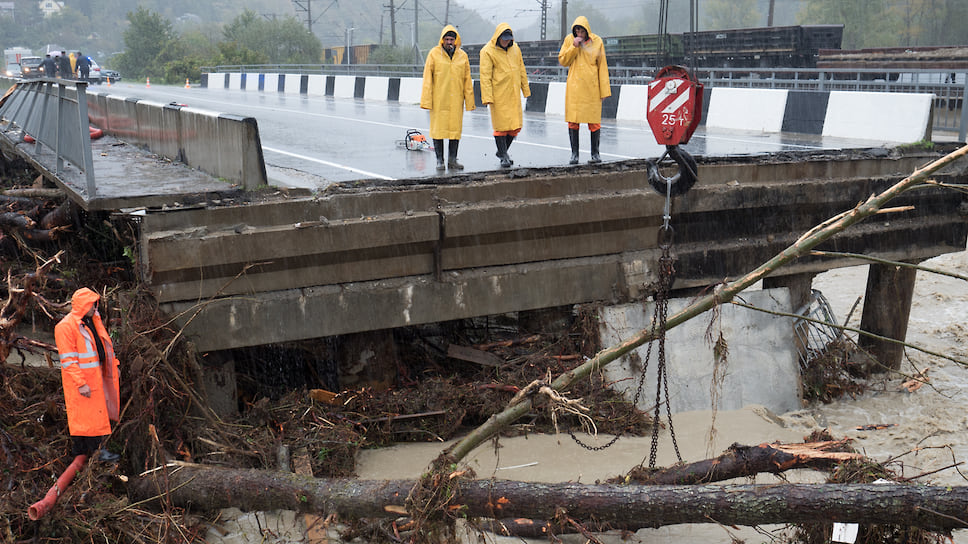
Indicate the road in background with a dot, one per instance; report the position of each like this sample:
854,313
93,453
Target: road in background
312,141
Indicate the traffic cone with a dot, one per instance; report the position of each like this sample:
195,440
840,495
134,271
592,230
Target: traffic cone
109,82
147,82
187,85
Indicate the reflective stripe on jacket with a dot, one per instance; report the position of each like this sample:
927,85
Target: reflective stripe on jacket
81,365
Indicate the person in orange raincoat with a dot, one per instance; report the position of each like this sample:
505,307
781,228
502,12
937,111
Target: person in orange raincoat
89,371
447,90
503,80
588,85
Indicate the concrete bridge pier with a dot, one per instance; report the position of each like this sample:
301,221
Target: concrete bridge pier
887,307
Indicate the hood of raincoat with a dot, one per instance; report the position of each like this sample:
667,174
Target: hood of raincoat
501,28
582,22
82,300
449,28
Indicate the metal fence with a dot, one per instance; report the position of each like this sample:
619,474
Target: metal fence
53,113
948,87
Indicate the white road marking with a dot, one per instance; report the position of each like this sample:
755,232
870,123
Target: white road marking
327,163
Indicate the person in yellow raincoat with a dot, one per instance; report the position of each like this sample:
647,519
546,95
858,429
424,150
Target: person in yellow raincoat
447,90
583,53
503,80
89,371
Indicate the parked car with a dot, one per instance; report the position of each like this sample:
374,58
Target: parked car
30,66
113,75
94,76
13,70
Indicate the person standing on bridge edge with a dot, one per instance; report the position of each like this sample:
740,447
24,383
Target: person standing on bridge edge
49,67
503,80
583,53
83,64
64,66
89,372
447,90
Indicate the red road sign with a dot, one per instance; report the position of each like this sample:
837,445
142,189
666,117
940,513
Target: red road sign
675,105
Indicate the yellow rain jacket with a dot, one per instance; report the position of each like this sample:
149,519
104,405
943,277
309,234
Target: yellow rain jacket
503,79
587,76
447,88
82,365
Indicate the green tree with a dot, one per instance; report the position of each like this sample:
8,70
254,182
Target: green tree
147,36
867,23
282,41
725,14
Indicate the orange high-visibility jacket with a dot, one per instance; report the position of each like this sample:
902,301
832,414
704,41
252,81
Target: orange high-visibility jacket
80,365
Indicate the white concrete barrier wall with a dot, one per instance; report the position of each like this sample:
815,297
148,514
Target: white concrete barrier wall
217,81
410,90
632,103
555,104
747,109
235,81
292,83
270,83
376,88
317,85
883,117
345,87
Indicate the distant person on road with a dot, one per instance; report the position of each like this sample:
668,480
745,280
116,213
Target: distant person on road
503,80
83,67
447,91
89,372
64,66
583,53
48,66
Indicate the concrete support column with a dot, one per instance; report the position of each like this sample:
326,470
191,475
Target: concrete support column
798,284
368,359
218,375
887,306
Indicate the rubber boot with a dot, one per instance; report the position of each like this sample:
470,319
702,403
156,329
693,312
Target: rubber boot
596,138
507,140
502,151
439,151
573,137
452,155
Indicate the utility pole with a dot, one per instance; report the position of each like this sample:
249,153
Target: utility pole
416,33
769,18
393,24
564,19
544,19
307,7
447,12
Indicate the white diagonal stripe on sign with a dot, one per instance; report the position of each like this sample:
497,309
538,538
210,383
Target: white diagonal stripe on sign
663,94
678,102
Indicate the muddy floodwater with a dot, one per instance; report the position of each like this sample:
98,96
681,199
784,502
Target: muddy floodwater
924,431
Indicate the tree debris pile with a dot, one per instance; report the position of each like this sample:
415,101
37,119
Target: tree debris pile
836,371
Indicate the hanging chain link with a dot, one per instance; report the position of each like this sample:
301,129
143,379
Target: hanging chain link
667,271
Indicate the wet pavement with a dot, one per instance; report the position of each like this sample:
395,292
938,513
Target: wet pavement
310,141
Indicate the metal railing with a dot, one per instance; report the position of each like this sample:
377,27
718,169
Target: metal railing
949,87
53,112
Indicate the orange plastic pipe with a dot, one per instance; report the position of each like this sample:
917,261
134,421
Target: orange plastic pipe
41,507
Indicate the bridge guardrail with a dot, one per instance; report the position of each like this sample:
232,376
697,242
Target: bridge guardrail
949,87
54,114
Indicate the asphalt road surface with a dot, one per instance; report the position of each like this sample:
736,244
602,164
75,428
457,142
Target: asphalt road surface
312,141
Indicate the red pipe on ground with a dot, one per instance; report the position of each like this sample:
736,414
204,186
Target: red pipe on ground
41,507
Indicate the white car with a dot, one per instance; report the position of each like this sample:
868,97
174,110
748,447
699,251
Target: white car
13,70
94,76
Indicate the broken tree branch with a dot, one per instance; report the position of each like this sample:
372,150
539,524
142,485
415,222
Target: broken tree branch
723,293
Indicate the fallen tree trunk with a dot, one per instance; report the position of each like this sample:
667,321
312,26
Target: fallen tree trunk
204,488
742,461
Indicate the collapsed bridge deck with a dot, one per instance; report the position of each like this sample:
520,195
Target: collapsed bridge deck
368,256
